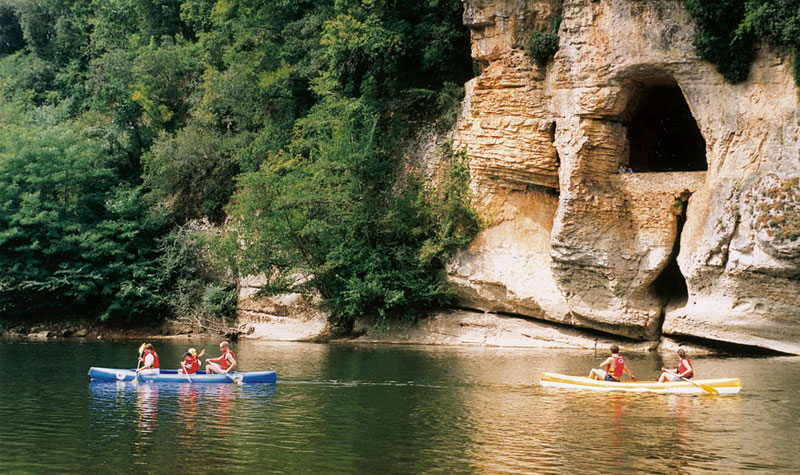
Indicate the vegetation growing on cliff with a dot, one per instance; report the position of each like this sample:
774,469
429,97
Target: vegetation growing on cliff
125,122
777,208
729,29
542,45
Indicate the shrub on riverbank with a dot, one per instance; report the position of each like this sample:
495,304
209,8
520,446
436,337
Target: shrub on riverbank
73,238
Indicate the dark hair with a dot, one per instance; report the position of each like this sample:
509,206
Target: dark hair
187,354
614,349
681,352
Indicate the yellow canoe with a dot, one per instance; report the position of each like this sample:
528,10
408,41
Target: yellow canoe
722,386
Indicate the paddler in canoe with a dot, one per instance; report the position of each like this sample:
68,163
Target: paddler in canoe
148,362
612,368
222,364
191,361
685,370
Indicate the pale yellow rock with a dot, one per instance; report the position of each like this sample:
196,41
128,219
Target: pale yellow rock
286,317
488,329
612,235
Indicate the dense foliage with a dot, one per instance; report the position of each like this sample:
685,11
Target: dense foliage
729,30
72,237
126,122
542,45
323,214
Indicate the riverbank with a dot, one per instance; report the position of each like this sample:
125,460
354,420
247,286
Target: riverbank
455,327
92,329
444,328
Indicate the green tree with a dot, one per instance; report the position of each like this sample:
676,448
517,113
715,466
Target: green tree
380,47
166,77
137,107
717,40
72,238
542,46
325,213
193,171
11,39
110,86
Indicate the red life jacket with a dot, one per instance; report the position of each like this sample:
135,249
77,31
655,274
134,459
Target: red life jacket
194,364
683,365
155,358
223,361
620,366
186,367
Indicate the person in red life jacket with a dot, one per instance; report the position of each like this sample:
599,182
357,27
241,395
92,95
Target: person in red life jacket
224,363
684,369
196,359
186,364
191,361
612,368
149,360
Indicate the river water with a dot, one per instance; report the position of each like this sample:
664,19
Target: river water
386,409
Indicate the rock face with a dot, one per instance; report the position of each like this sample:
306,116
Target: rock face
288,317
700,240
460,327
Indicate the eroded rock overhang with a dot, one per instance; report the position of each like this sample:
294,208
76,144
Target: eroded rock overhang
680,245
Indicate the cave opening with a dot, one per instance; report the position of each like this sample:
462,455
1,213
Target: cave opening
662,133
670,285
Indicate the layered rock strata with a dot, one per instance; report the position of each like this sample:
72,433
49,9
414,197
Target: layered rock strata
595,258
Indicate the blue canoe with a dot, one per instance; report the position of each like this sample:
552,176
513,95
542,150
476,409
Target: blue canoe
172,376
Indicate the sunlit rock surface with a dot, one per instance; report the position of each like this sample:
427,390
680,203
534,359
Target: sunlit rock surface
288,317
690,227
488,329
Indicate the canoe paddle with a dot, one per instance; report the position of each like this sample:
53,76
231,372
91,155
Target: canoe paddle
705,388
136,374
234,379
186,372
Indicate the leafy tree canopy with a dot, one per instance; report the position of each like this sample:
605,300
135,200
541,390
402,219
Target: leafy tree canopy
124,123
72,239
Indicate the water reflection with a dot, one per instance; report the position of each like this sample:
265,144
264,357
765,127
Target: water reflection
147,406
393,410
223,402
188,396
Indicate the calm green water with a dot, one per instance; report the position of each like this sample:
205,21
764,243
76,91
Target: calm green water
385,409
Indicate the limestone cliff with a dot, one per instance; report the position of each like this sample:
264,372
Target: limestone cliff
694,242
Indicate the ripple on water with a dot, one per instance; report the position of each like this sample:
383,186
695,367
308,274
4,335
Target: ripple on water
389,410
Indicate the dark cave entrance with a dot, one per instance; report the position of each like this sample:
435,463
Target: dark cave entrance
662,133
670,285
